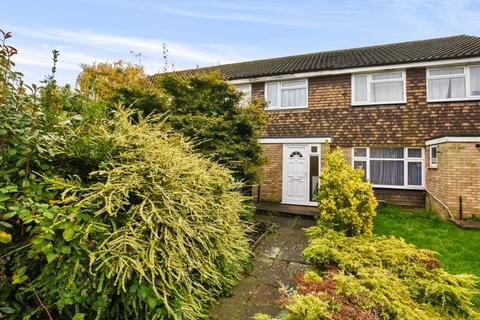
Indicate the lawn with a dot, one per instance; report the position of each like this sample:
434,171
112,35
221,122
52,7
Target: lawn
458,250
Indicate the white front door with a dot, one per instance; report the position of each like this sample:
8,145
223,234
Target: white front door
295,174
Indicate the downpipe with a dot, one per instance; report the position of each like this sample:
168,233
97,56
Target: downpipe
443,204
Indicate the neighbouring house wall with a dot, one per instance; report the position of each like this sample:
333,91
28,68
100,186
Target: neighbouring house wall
457,174
330,114
271,173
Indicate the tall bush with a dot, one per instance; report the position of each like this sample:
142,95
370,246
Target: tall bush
206,108
345,201
202,107
100,81
160,228
107,216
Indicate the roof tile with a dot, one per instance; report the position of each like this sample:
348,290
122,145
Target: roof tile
454,47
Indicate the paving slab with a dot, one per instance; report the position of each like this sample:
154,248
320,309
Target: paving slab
278,258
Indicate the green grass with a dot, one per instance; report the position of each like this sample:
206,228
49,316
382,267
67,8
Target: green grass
458,249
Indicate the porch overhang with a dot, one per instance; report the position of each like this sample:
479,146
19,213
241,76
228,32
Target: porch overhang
458,139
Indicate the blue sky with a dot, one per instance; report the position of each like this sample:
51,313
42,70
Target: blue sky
209,32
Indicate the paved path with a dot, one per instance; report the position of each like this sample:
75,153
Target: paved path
278,256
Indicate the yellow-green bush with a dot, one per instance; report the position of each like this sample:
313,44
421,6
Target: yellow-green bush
154,233
371,277
345,201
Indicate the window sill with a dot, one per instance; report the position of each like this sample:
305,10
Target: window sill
377,104
454,100
286,108
420,188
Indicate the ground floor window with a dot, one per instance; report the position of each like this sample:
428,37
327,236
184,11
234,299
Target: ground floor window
391,167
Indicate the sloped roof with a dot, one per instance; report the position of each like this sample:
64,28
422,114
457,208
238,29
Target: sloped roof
454,47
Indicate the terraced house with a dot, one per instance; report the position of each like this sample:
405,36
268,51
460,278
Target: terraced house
408,113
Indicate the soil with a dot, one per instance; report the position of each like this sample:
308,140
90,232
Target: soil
258,229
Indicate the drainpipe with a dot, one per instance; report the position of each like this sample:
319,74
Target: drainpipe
439,201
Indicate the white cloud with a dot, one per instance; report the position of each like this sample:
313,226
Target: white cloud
116,43
42,57
77,47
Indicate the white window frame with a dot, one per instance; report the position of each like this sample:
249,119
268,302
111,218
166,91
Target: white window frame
370,81
279,83
405,160
465,74
433,165
246,97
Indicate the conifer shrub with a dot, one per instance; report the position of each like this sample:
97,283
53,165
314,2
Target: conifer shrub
373,277
345,201
153,233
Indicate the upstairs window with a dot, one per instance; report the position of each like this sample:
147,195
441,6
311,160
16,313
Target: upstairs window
287,94
246,90
391,167
454,83
378,88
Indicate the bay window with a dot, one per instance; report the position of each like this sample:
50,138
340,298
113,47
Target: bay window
453,83
287,94
378,88
246,91
391,167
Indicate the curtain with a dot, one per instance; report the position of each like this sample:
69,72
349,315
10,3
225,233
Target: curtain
294,83
360,88
361,164
395,153
387,76
246,94
294,97
387,91
272,94
414,173
387,172
414,153
446,88
360,152
475,81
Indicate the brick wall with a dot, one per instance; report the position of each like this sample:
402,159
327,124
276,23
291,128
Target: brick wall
271,180
457,174
406,198
271,174
330,114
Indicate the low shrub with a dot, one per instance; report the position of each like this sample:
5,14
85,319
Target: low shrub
345,201
367,277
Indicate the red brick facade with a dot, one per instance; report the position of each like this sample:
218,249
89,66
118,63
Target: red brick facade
330,114
271,176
